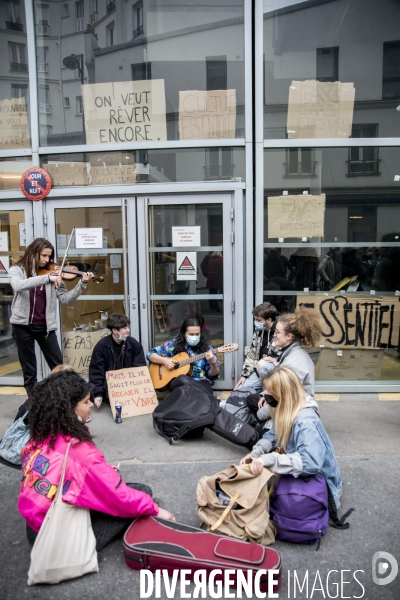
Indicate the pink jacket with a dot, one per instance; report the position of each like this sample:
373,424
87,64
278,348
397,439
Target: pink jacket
89,482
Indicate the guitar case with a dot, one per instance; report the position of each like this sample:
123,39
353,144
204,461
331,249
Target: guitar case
153,543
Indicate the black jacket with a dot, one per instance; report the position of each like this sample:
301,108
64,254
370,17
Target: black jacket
104,358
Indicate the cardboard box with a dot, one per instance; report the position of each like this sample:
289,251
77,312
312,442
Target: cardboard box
346,364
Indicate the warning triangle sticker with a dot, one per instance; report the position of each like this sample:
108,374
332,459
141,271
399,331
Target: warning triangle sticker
186,265
2,268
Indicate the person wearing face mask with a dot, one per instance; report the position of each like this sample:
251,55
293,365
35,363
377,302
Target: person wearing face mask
116,351
190,340
262,346
61,406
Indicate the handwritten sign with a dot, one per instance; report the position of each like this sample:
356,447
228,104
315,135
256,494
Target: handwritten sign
360,322
300,216
126,111
78,348
74,173
14,128
320,109
133,389
207,115
112,168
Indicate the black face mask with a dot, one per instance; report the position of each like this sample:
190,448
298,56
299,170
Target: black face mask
271,400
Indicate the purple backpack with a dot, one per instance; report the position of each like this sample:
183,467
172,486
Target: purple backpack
299,509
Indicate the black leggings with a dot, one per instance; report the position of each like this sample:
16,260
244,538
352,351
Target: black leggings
105,527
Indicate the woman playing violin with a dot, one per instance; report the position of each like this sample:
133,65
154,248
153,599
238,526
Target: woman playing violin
34,307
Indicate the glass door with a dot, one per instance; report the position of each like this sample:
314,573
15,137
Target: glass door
83,323
16,233
185,261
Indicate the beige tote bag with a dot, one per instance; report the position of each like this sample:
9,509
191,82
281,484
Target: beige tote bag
65,546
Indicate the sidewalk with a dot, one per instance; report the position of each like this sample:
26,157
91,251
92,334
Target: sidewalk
365,432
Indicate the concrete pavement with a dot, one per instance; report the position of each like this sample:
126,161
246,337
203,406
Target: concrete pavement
366,435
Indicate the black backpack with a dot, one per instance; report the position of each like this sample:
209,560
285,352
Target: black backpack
186,411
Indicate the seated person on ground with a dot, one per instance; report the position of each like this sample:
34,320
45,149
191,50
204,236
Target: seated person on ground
191,341
265,316
116,351
61,406
297,431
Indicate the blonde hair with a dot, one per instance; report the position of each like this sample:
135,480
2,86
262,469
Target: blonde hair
62,367
304,325
285,386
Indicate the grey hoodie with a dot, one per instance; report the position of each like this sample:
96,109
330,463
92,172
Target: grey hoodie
21,284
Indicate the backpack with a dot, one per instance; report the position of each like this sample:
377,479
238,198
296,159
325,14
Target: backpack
186,411
236,404
15,438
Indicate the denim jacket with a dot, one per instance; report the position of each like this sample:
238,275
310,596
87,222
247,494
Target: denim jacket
309,451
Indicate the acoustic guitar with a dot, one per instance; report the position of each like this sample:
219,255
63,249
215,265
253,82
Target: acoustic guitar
162,377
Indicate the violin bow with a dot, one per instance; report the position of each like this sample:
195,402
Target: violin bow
66,251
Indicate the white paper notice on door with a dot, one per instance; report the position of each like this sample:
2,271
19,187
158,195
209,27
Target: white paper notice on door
89,237
186,263
189,235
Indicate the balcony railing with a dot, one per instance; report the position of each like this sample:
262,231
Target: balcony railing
42,29
302,169
363,167
93,17
42,67
14,26
138,32
18,66
45,108
110,6
218,171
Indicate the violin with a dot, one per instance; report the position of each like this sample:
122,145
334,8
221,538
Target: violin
68,273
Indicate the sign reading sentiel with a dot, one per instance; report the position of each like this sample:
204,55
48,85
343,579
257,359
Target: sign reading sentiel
35,183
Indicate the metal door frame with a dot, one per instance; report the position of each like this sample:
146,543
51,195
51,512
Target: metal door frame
27,207
232,205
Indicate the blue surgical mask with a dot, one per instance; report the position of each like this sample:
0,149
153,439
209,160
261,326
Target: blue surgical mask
259,325
192,340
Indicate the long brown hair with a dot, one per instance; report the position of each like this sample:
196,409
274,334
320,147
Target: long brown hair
285,386
30,259
304,325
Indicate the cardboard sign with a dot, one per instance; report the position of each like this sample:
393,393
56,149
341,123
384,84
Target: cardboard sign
78,347
74,173
350,365
186,263
14,128
207,115
186,236
112,168
320,109
300,216
133,389
126,111
358,321
89,237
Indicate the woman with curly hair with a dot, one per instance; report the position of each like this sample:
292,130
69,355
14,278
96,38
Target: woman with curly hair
61,406
191,340
34,307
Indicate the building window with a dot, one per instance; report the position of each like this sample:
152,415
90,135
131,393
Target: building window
141,71
363,160
42,64
79,105
219,163
17,57
44,99
391,70
328,64
93,12
66,102
110,6
19,90
217,72
13,16
110,34
137,20
80,15
42,14
45,130
65,10
300,162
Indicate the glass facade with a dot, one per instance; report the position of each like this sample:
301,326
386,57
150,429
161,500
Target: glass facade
283,105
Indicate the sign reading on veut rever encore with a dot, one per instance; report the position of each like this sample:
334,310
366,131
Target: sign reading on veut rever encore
207,114
299,215
125,111
133,389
